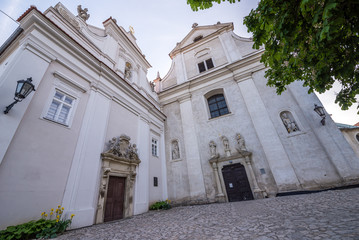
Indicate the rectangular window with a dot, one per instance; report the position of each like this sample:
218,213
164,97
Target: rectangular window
155,181
60,108
154,147
206,65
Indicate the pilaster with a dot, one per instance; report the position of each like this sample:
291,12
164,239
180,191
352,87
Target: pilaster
81,192
275,153
194,168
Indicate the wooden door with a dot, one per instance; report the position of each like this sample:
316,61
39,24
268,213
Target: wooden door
236,181
115,198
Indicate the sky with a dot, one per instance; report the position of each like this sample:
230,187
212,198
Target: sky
158,26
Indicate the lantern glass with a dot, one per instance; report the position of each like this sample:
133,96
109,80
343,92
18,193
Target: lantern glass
319,110
23,89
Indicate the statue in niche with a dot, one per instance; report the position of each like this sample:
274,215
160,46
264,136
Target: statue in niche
175,150
213,149
241,143
128,69
82,13
121,147
288,122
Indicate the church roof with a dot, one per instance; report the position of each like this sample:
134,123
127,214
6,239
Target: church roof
345,126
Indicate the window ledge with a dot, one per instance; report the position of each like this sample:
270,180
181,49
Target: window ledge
55,122
289,135
219,117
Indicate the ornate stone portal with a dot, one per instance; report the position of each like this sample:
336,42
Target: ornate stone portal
243,157
119,161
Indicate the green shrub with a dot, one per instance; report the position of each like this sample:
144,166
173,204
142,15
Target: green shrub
42,228
161,205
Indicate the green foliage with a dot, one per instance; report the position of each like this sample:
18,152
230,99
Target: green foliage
309,40
315,41
42,228
204,4
161,205
27,230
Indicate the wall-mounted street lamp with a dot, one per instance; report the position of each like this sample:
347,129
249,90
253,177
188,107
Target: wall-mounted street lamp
321,113
23,89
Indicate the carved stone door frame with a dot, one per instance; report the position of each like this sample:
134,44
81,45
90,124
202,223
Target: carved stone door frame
118,161
243,158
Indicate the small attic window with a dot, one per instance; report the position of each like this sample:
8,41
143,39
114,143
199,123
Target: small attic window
197,38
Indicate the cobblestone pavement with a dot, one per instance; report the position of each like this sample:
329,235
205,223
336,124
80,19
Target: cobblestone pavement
324,215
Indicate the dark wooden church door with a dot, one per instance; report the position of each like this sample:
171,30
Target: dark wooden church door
236,181
115,199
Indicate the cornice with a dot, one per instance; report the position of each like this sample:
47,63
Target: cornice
239,71
34,19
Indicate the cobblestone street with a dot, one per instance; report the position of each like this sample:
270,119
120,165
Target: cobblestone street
324,215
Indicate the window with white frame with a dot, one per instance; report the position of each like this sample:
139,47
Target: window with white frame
205,65
60,108
154,147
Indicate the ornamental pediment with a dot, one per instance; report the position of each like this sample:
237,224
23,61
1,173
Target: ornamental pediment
121,149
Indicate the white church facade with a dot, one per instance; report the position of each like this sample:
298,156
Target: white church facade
96,137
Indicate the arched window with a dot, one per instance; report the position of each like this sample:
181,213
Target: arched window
217,105
357,137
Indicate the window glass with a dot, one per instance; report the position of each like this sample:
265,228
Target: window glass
209,63
60,108
201,67
217,105
154,147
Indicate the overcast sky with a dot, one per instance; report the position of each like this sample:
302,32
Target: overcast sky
158,26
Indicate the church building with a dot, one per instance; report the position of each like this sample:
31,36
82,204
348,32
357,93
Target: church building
96,137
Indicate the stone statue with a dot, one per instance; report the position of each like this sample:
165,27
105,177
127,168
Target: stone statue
227,150
194,25
225,143
241,143
290,125
213,149
128,73
175,150
82,13
152,84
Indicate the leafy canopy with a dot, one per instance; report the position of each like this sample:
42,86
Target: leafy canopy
315,41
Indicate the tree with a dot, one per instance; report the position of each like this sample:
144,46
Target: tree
315,41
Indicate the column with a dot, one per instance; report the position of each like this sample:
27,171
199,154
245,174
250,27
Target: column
194,168
81,193
256,189
219,186
141,198
275,153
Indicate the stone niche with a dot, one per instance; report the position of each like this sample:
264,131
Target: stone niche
120,160
242,156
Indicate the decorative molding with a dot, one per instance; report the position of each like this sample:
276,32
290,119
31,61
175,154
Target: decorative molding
68,16
68,80
120,160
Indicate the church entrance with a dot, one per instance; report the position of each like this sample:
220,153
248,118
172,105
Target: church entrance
115,199
237,184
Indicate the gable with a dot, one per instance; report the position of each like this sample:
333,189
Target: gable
201,32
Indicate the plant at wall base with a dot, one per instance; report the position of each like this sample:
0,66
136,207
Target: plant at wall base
46,227
161,205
